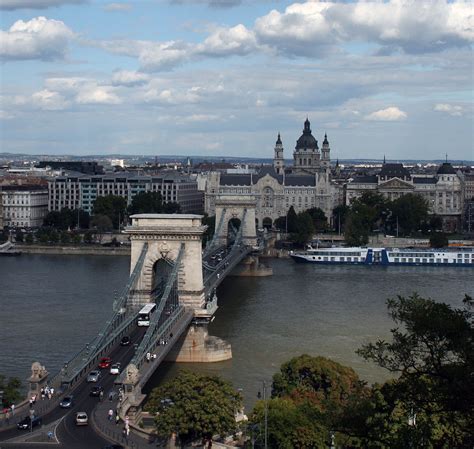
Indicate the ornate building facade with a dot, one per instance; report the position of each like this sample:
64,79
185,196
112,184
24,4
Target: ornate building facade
442,192
276,188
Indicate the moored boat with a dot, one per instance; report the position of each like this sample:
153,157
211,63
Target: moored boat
463,257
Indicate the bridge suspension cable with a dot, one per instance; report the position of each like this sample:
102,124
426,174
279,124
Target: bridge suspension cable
167,309
215,237
119,320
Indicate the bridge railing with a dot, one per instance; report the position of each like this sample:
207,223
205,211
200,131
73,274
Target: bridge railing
120,322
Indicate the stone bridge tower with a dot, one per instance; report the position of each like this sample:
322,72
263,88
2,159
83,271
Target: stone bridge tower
234,206
164,234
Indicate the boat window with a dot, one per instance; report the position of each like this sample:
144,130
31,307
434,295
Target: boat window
349,259
446,260
342,259
404,259
459,260
410,259
417,259
438,260
325,258
425,260
397,259
333,259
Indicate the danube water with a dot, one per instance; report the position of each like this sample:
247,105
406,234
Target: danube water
51,306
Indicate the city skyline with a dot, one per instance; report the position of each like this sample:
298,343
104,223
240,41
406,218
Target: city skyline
223,77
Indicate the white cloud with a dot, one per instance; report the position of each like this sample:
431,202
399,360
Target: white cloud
39,38
35,4
390,114
228,41
118,7
97,95
451,109
49,100
129,78
5,115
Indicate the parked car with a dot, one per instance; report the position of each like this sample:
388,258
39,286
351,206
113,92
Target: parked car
66,402
115,368
28,423
82,419
125,341
93,376
105,362
96,390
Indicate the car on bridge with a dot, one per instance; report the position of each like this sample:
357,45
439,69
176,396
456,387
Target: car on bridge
115,368
66,402
125,341
105,362
96,390
28,423
93,376
82,419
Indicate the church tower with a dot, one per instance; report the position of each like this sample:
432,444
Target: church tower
325,150
306,155
278,160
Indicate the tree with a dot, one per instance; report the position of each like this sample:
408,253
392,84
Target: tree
11,390
171,208
112,206
29,239
19,236
102,224
292,219
304,229
65,238
339,214
194,406
438,240
432,350
89,237
146,203
319,218
411,210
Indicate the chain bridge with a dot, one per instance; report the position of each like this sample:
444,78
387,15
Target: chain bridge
169,268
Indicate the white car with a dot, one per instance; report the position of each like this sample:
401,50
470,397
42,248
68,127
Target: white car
115,368
82,419
93,376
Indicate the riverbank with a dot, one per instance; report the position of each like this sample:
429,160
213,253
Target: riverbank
85,250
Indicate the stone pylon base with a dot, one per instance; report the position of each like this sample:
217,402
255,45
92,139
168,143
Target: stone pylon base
251,266
197,346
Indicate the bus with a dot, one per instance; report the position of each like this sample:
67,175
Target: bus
145,314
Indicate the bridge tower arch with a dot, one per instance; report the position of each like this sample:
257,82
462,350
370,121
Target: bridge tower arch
230,207
165,233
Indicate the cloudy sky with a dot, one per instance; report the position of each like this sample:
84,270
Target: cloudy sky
223,77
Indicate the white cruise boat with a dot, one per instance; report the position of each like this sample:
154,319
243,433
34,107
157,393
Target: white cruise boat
460,257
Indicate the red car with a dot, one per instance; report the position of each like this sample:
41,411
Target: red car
105,362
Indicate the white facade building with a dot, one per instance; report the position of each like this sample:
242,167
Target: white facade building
24,206
442,192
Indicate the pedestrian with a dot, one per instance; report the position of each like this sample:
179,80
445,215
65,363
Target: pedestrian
154,356
31,402
117,418
171,335
43,394
7,417
148,356
50,435
111,414
13,409
51,390
101,396
111,396
34,399
127,431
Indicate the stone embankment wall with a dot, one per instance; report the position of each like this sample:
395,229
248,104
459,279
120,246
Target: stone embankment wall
75,250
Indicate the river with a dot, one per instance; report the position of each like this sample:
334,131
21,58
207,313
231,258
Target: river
50,306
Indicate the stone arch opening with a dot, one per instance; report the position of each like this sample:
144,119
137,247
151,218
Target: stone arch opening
233,227
160,274
267,223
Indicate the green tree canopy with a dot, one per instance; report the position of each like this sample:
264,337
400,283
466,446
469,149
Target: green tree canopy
340,214
292,220
11,390
304,229
112,206
194,406
319,218
411,210
438,240
432,350
146,203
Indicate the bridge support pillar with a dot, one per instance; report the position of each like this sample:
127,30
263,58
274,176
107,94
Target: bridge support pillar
252,267
197,346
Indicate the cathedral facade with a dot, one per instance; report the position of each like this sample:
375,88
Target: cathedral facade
276,188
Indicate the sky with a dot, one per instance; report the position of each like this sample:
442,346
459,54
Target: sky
224,77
